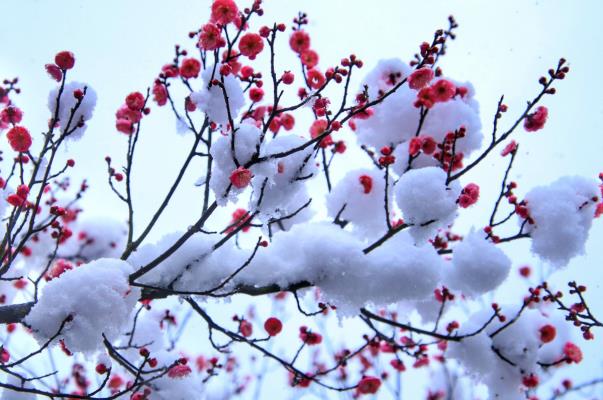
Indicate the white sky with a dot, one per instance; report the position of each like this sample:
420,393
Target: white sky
502,48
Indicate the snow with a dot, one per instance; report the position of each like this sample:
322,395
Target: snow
285,189
176,389
246,143
211,101
425,200
172,267
320,253
474,353
397,271
365,211
98,297
396,120
478,267
563,212
68,102
379,78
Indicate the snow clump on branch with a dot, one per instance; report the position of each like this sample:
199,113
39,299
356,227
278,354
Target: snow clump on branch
92,299
210,99
73,92
562,213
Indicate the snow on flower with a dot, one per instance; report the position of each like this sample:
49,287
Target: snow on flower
93,299
396,119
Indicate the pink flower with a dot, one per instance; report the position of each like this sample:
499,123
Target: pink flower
547,333
530,381
299,41
58,268
287,121
101,369
525,271
256,94
315,78
366,182
11,115
397,365
170,70
239,217
4,355
115,382
420,78
469,195
64,60
54,71
19,139
288,77
135,101
444,90
472,190
190,68
160,95
464,201
179,371
273,326
309,58
414,146
340,147
572,353
536,121
124,126
308,337
509,148
425,97
245,328
15,200
250,45
127,113
210,38
317,128
429,145
240,177
224,11
369,385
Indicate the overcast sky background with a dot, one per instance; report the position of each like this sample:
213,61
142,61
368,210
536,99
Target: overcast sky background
502,48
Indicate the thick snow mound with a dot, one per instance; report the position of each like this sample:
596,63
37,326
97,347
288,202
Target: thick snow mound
562,212
479,266
97,298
